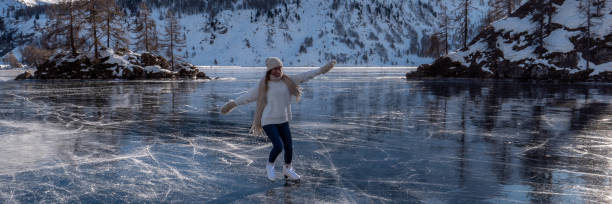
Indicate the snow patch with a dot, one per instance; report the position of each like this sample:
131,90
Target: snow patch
155,69
227,78
390,77
460,56
568,15
515,25
558,41
38,2
514,55
116,59
603,26
605,67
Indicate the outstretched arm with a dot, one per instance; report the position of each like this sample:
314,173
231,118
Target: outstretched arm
305,76
248,97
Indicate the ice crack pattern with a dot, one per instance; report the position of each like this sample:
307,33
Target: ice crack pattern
360,136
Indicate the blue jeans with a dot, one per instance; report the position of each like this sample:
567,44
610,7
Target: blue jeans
280,136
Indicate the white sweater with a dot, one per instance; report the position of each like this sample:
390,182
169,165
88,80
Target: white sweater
278,107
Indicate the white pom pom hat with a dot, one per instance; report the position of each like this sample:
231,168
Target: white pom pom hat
273,62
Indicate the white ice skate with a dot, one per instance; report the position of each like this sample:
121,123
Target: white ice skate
270,170
290,173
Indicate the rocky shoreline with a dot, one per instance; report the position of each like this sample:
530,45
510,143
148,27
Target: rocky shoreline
120,64
444,67
514,48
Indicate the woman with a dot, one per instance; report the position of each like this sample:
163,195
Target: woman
273,111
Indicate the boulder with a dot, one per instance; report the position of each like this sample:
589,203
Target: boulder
24,76
134,72
65,66
148,59
186,70
202,75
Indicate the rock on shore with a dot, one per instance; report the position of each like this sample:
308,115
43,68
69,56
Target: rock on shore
120,64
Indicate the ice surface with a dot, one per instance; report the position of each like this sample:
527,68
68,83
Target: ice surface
360,136
10,74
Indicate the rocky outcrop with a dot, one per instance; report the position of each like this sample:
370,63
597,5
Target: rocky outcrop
514,48
445,67
25,75
122,64
149,59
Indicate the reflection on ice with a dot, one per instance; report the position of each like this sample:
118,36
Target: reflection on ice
364,136
25,147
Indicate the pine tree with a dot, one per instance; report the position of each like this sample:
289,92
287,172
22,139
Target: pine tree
434,49
12,60
94,19
146,31
498,9
443,34
33,55
549,11
599,5
174,39
53,31
2,26
542,15
585,8
112,25
75,22
502,8
64,25
463,18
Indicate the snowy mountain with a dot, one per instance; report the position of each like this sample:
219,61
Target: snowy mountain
301,33
37,2
8,6
554,47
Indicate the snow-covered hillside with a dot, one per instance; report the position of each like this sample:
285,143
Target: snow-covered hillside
16,4
364,33
37,2
519,47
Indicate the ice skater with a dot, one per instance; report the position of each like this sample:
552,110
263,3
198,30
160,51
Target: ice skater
274,94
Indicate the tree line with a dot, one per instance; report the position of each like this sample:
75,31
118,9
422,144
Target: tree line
95,25
460,21
543,11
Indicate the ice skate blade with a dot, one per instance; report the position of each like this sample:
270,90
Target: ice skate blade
287,179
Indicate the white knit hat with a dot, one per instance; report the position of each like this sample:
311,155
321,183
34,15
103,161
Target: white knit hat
273,62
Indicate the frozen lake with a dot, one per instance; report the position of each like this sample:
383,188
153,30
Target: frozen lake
360,136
